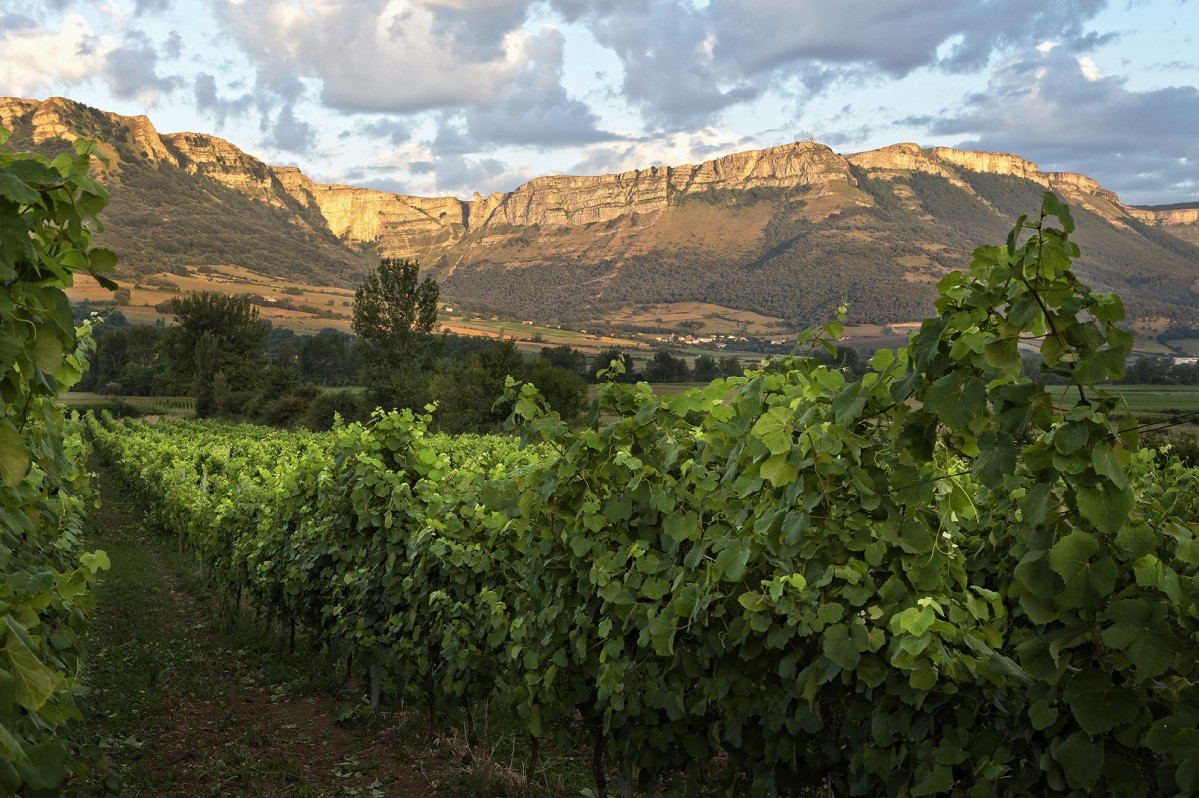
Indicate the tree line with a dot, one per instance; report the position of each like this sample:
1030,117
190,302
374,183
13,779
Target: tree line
240,367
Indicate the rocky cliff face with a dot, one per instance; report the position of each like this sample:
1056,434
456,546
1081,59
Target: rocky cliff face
1177,216
420,227
423,227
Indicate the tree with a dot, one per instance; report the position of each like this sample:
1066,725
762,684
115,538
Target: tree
468,388
215,334
394,317
565,392
329,358
565,357
705,369
665,367
604,359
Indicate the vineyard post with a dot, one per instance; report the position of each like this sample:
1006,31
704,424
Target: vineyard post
624,787
376,681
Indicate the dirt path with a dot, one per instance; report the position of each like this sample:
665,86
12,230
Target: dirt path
187,704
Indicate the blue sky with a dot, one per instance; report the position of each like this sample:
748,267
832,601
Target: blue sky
449,97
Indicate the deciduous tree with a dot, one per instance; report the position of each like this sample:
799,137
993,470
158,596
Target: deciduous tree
214,333
394,317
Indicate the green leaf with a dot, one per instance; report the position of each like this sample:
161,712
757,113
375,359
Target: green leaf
1137,629
10,747
954,400
14,457
46,767
996,459
35,682
753,601
848,404
838,645
1087,581
730,563
777,471
1099,367
681,526
1081,759
1107,463
1002,354
101,260
774,427
914,620
1055,207
1042,714
933,782
661,632
1097,704
15,189
47,349
1106,507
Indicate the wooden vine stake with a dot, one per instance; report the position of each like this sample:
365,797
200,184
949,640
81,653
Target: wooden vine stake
624,787
376,683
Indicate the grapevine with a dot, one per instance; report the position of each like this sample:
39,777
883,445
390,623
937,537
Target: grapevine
928,581
45,239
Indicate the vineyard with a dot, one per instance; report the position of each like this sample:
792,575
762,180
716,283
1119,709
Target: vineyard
933,580
930,581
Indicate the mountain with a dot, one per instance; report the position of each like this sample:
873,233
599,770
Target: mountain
169,212
786,233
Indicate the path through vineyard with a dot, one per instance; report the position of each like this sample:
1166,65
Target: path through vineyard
187,707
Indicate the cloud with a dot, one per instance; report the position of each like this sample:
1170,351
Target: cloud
1054,108
683,65
394,129
534,108
151,7
132,69
437,173
471,63
208,100
384,56
32,58
287,132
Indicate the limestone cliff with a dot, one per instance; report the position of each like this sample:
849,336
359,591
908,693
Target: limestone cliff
1174,216
422,226
757,224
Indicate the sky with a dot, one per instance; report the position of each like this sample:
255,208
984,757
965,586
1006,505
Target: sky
452,97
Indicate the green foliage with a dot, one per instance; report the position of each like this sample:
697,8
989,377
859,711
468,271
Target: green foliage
217,339
47,213
926,580
705,369
394,316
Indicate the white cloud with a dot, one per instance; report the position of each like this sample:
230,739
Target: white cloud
402,55
32,59
1089,70
1054,110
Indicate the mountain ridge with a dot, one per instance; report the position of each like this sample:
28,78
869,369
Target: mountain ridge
571,246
